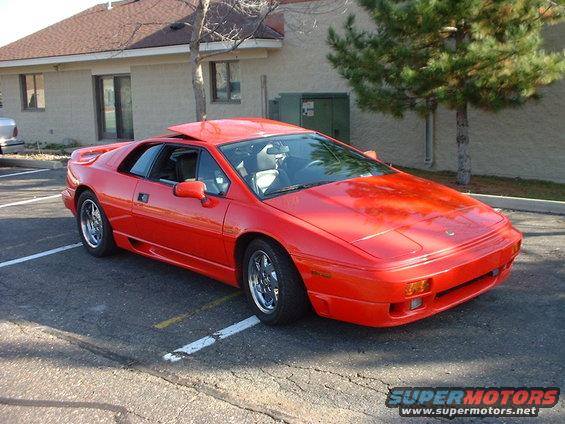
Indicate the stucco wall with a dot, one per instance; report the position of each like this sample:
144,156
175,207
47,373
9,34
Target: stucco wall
527,142
69,108
163,94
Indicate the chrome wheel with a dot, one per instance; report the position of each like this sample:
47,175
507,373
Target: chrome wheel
91,223
263,281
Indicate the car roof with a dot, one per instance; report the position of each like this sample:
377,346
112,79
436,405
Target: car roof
235,129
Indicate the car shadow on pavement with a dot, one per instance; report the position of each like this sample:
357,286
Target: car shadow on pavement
510,336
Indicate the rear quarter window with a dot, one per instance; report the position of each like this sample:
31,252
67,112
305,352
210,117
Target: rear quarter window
140,160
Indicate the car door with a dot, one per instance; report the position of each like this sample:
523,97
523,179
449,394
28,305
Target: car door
116,190
183,224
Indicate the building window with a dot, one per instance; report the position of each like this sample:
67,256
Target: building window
226,81
33,90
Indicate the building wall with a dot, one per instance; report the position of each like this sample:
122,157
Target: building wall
161,96
527,142
163,93
301,66
69,108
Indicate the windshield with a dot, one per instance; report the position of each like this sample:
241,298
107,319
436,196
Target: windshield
276,165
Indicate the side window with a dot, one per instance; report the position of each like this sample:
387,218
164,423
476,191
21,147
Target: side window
210,173
176,165
140,160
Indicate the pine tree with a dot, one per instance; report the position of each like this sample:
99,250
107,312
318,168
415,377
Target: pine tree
457,53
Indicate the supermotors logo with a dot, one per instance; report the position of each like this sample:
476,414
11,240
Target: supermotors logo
452,402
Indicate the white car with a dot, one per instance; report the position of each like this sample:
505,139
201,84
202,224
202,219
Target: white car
9,142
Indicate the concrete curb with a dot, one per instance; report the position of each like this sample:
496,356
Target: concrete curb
521,204
32,163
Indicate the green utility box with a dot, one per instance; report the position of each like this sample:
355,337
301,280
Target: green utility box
327,113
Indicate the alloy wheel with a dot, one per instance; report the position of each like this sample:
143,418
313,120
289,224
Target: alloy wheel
91,223
263,281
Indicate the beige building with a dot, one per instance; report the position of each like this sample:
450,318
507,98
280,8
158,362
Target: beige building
89,79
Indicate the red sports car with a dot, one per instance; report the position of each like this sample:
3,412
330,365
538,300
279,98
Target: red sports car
294,217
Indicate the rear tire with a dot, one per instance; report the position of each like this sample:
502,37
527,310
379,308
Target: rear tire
93,226
273,286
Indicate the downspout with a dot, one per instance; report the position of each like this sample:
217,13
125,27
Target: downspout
429,143
264,97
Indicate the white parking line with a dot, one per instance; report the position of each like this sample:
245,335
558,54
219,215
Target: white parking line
39,255
24,172
210,340
24,202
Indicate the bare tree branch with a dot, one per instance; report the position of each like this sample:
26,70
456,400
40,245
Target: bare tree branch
239,42
229,22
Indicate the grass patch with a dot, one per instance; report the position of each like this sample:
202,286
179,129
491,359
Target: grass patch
500,186
51,148
37,156
57,146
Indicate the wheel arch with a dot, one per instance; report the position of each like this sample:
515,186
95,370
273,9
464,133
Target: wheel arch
241,245
81,189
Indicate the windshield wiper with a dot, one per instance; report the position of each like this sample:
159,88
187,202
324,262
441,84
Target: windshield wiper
295,187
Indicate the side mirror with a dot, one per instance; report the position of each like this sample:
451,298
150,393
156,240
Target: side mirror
192,189
372,154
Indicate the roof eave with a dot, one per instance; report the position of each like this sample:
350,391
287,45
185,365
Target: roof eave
255,43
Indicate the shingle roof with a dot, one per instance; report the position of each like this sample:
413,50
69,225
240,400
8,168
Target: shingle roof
130,24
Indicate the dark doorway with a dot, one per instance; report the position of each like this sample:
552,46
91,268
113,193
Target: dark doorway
115,117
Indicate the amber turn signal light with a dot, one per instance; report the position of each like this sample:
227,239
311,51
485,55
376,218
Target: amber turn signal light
417,287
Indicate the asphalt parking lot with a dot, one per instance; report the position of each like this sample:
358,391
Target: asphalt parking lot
84,339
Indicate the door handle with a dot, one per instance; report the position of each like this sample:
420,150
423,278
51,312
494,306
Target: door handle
143,197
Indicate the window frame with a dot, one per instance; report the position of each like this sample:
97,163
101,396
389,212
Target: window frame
199,149
23,90
214,82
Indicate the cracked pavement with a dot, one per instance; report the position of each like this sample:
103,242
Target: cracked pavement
78,342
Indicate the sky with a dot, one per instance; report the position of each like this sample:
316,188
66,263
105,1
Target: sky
23,17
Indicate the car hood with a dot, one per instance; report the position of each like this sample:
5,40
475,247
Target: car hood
391,215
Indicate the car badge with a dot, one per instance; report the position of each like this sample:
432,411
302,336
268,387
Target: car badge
450,233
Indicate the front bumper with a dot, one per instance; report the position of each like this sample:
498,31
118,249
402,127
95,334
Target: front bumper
377,298
11,146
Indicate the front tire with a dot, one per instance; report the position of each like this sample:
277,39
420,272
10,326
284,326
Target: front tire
93,226
272,284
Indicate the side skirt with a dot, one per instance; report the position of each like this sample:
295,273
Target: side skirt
213,270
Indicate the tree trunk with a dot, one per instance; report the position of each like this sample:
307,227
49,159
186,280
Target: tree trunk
198,88
463,156
196,63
